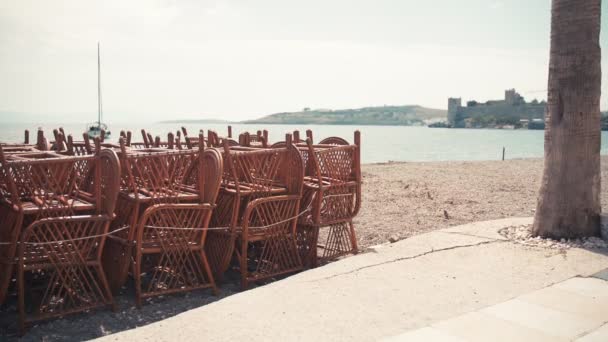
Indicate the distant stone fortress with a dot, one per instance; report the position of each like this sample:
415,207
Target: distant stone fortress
513,107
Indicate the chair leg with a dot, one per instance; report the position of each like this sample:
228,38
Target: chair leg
314,258
229,254
209,273
21,300
353,238
243,265
306,238
106,288
341,240
214,253
117,262
137,277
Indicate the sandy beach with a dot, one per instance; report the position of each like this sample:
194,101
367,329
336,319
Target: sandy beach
404,199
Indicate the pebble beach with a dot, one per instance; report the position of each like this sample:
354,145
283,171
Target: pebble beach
404,199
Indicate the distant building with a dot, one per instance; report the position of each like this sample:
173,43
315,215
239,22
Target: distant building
513,98
453,107
512,108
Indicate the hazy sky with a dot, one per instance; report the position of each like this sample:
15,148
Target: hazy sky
244,59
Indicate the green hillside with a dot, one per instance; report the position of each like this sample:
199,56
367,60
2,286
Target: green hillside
385,115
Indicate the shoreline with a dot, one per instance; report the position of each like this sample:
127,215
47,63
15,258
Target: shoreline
399,162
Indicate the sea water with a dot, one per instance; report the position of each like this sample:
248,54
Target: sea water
379,143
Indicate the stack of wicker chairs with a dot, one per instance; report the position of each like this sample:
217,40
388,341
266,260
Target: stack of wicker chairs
257,212
77,217
165,202
332,190
55,212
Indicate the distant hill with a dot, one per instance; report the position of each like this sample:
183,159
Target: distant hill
385,115
197,121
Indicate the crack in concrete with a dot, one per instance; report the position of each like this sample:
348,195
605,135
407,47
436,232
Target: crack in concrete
472,235
585,333
488,241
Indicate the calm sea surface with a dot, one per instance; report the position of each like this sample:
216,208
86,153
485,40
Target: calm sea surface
380,143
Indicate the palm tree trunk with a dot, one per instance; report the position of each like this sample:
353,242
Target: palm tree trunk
569,200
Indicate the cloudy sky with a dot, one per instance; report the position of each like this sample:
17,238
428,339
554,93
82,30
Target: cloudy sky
238,59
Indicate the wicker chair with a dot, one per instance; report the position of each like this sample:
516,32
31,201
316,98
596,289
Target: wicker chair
166,201
258,203
332,187
56,209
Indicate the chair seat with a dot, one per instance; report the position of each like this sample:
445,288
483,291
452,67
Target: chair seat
313,183
249,189
37,257
144,195
74,204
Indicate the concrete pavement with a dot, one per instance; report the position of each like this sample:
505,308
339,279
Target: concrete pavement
412,284
573,310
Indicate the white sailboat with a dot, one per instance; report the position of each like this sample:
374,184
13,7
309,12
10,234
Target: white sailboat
95,128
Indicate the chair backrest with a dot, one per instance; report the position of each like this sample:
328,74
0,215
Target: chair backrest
41,142
211,175
213,139
336,162
204,177
262,172
54,183
337,169
60,140
333,141
109,184
156,174
229,141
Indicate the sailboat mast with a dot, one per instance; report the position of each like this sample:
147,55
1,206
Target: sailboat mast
99,107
